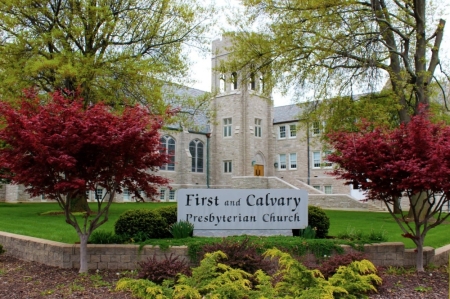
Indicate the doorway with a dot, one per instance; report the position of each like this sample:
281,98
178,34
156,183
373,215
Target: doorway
258,170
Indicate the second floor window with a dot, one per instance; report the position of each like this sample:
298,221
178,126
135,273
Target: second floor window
292,131
282,132
227,122
168,147
196,150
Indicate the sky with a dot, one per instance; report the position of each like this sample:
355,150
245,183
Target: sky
201,67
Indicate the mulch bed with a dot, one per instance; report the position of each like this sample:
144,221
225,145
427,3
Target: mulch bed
22,280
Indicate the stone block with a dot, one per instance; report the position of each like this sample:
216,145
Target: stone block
105,258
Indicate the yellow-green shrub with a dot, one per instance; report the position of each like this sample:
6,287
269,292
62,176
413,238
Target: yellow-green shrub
214,280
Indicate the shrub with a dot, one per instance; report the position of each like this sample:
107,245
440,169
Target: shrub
308,233
105,237
213,279
140,225
243,255
160,270
319,220
181,229
169,214
1,249
332,264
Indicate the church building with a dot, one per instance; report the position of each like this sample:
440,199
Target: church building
249,143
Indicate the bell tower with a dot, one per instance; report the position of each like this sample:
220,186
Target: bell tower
242,143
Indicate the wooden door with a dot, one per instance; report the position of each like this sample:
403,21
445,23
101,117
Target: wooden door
258,170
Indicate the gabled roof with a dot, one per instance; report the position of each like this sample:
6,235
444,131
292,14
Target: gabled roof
286,113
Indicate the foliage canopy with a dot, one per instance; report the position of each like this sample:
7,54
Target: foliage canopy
120,52
411,160
61,150
343,47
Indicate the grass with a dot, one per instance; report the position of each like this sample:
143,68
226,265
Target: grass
28,219
342,221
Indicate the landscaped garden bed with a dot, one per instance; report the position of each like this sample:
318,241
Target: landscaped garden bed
241,251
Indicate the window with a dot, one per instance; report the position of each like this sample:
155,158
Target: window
171,195
227,122
252,81
293,161
317,187
328,189
282,161
126,195
258,127
234,81
98,194
162,194
316,128
222,83
196,150
261,84
326,163
227,166
316,160
319,160
287,131
292,131
88,193
282,132
168,146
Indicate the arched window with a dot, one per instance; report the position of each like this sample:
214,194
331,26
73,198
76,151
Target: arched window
234,81
261,84
222,83
196,150
168,147
252,81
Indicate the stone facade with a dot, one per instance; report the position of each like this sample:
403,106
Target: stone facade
247,138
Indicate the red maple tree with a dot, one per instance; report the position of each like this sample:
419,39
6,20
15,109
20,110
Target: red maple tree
62,150
412,160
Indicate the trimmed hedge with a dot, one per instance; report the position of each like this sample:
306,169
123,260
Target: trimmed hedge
141,225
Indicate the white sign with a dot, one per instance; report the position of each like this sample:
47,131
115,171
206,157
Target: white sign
237,209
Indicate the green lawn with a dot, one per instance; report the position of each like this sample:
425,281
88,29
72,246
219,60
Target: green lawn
25,219
341,221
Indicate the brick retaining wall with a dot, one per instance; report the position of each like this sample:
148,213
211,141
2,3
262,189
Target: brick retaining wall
126,257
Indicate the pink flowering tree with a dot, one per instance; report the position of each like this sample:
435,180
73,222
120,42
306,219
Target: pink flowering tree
62,150
412,160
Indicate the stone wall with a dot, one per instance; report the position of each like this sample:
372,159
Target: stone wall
123,257
127,257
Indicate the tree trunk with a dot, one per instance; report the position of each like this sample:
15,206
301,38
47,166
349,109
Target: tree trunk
419,205
79,204
397,208
419,255
83,253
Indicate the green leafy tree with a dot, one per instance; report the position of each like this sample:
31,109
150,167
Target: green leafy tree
340,47
120,52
